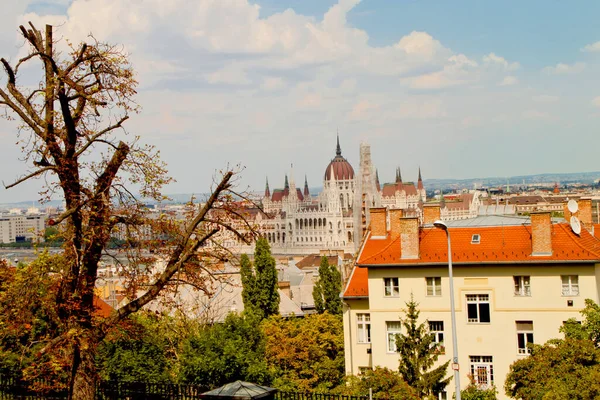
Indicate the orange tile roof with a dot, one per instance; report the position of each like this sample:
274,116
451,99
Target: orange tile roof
101,308
498,245
358,283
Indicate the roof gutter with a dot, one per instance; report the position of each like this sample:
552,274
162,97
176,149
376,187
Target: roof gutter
444,263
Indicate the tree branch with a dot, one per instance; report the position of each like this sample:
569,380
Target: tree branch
31,175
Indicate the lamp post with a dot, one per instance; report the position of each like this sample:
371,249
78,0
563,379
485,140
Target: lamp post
441,225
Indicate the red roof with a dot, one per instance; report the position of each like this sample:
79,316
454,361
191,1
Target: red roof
342,170
358,283
389,189
101,308
498,245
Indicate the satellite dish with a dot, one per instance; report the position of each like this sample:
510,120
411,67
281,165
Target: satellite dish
575,225
572,206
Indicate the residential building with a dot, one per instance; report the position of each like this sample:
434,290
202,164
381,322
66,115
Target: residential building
22,227
516,280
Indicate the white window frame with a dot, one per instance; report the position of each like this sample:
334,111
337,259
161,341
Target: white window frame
482,367
570,285
479,300
391,287
434,285
524,334
392,328
522,285
436,329
363,328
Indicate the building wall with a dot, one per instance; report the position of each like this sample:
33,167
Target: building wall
546,307
31,227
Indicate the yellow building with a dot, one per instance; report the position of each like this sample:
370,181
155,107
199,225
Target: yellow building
515,281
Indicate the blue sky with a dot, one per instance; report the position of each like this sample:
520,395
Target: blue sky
462,89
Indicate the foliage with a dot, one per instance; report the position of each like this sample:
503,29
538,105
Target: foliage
305,354
70,130
142,349
28,318
475,392
327,289
384,383
418,352
559,369
225,352
260,290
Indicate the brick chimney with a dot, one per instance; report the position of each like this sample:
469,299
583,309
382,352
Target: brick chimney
378,222
409,237
431,213
585,213
395,216
541,234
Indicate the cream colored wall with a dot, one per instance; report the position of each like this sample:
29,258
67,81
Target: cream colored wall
355,353
546,307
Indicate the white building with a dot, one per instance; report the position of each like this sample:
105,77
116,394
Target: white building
19,227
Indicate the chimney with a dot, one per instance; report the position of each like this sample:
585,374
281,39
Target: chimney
585,213
378,222
431,213
395,216
541,234
567,214
409,237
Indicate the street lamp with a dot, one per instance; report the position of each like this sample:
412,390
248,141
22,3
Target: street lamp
442,225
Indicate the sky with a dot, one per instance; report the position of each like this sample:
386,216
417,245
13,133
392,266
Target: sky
461,89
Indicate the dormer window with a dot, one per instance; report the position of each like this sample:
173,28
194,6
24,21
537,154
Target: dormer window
475,239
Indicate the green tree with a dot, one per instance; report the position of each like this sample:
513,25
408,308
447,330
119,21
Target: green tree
226,352
383,382
305,354
559,369
259,281
327,289
418,352
589,328
475,392
142,349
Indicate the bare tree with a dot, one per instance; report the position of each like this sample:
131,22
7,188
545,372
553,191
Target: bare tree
71,130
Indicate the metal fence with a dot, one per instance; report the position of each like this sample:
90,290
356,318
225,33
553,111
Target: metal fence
13,388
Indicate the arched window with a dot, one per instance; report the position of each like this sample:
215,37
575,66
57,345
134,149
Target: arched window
341,200
278,237
283,237
349,237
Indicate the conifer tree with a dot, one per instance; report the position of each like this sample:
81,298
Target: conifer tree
418,352
259,281
327,289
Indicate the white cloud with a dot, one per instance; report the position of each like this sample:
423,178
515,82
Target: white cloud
362,110
310,100
419,44
565,69
536,114
596,101
459,69
591,48
494,60
230,75
509,81
428,109
273,83
545,98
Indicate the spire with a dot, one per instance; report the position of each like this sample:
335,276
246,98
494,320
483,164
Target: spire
267,191
377,180
286,186
306,192
420,182
442,199
338,149
398,175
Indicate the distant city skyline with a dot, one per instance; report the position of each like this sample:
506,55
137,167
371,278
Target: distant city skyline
462,90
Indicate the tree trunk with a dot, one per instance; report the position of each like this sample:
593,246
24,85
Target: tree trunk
83,379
